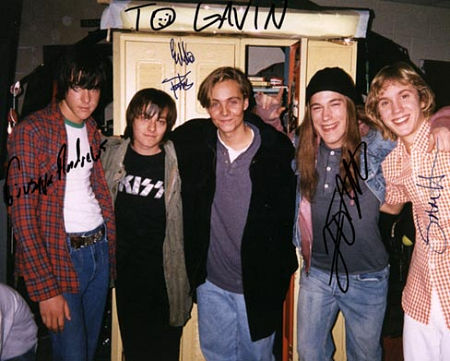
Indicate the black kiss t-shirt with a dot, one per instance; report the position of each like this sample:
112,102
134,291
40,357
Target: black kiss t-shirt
141,222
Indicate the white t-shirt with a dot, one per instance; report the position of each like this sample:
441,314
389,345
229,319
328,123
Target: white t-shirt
82,212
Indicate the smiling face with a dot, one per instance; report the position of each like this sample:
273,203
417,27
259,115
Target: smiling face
227,107
162,18
400,109
148,132
329,116
79,103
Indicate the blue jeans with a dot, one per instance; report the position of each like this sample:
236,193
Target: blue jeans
363,307
78,340
223,327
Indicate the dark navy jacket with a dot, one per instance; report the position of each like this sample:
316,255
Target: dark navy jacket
267,252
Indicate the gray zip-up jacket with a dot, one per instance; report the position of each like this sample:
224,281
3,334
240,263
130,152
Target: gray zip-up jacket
177,284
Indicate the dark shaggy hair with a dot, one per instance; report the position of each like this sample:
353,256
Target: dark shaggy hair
150,102
81,66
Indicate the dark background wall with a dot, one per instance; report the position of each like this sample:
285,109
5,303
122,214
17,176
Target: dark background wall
9,33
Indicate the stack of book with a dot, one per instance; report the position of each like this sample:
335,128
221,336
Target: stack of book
262,84
276,82
259,81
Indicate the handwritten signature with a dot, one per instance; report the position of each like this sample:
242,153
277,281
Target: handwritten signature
336,221
178,83
182,55
39,185
43,182
433,184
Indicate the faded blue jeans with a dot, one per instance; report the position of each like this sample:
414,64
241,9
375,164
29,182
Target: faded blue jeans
223,327
363,307
78,340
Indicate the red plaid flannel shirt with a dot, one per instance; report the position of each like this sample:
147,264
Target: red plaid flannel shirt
35,192
424,179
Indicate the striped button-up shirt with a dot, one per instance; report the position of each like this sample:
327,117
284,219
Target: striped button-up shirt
424,179
35,194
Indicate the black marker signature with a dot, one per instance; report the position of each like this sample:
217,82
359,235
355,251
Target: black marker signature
39,185
63,168
433,184
230,15
162,18
43,182
183,56
338,219
178,83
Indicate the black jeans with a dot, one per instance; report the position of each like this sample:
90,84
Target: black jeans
143,314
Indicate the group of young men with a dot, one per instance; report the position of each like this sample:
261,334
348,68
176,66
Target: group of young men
238,194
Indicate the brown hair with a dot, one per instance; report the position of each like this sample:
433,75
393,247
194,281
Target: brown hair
307,150
219,75
403,73
150,102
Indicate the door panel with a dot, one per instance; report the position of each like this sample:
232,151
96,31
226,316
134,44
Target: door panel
210,53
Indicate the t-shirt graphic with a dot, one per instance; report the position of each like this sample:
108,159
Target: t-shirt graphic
138,186
141,228
140,208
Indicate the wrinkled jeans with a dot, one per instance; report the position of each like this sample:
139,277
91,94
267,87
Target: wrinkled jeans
78,340
363,307
223,327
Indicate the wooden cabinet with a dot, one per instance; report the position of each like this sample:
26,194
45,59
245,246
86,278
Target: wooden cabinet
175,64
171,63
178,64
322,54
139,62
209,55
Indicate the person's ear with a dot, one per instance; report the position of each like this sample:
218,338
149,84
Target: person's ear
423,104
246,103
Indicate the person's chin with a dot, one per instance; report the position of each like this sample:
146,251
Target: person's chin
84,114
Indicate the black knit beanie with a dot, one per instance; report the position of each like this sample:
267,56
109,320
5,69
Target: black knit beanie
334,79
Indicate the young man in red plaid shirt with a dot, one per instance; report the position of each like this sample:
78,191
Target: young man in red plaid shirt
401,103
61,210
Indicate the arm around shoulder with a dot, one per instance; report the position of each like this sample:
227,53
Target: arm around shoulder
441,118
440,129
